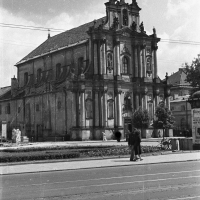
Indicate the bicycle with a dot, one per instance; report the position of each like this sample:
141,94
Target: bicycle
165,144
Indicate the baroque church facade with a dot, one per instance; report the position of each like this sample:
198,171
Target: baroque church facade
87,80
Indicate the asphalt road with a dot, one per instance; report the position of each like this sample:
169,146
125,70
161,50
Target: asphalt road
180,181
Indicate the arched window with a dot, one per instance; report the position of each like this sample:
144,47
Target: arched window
127,103
125,17
110,62
110,109
58,70
25,78
89,110
124,65
39,75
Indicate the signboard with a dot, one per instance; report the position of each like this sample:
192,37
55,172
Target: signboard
196,125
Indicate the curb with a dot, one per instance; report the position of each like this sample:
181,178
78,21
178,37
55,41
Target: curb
85,168
92,158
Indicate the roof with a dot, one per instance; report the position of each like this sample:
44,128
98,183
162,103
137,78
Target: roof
5,92
62,40
178,78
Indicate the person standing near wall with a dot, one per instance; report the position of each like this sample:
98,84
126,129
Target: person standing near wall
131,142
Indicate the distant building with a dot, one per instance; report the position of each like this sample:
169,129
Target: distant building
181,109
179,84
87,80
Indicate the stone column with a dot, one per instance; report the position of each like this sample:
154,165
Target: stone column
99,55
144,61
96,108
118,108
139,62
117,58
137,100
74,108
155,74
100,108
77,110
104,57
136,61
95,58
82,108
105,107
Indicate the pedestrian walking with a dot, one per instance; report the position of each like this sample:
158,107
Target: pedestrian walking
131,142
104,137
137,146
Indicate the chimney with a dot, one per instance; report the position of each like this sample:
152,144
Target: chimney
49,34
14,86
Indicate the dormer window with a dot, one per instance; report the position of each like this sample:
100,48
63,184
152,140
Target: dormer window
125,17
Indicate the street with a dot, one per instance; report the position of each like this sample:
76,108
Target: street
180,180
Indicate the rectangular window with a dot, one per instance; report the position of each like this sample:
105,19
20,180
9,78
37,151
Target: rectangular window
7,109
37,107
0,109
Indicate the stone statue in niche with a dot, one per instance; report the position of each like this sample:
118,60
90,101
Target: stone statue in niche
115,23
142,27
134,26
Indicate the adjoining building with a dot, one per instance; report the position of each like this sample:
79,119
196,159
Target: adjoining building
87,80
181,108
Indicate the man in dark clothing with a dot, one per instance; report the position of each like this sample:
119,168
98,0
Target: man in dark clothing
137,146
131,141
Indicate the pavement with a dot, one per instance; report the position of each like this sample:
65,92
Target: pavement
76,164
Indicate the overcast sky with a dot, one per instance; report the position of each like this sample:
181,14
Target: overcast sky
173,19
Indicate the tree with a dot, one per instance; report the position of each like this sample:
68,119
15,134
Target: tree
193,74
164,118
140,119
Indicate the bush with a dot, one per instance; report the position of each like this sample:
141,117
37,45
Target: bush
18,157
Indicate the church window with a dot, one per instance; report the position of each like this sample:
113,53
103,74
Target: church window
0,109
19,109
110,62
124,65
127,103
39,75
25,78
58,70
89,110
110,109
125,17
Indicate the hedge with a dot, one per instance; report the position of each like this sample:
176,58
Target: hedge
17,155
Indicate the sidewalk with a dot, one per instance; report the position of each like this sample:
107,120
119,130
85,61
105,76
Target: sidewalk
97,163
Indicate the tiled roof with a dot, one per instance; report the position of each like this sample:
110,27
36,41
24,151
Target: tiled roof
63,40
5,92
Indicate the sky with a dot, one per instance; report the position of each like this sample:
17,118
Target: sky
173,19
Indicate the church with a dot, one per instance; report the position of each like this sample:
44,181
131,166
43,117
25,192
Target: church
86,80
